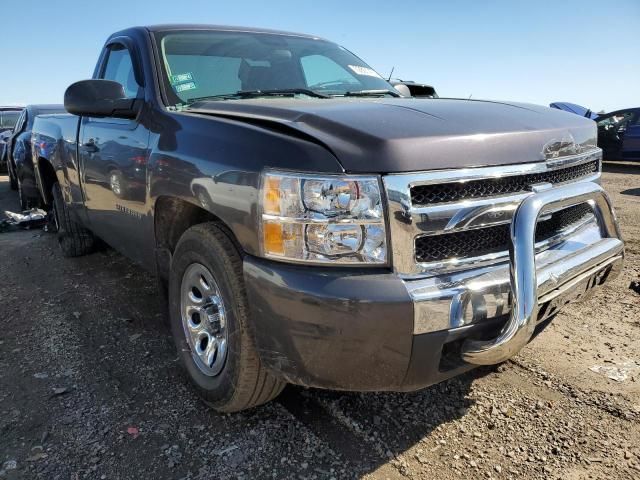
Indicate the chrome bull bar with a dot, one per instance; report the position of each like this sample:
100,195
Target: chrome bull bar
520,327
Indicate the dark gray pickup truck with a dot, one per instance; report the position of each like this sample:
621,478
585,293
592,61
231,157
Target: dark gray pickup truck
310,224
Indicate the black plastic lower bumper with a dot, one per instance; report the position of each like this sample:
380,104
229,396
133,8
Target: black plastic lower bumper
345,329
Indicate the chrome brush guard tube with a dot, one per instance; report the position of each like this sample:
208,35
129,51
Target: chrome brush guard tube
523,275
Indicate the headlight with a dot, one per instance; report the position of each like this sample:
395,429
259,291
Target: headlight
323,219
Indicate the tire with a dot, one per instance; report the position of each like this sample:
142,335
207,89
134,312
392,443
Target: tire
24,203
242,382
74,240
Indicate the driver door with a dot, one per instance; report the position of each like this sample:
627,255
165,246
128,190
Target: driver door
113,155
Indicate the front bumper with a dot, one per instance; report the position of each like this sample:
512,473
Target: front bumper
370,329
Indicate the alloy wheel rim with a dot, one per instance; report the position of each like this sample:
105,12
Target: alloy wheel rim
204,319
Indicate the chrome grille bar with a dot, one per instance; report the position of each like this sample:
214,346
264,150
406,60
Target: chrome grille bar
430,194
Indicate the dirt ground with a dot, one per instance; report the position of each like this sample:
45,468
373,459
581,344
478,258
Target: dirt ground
90,387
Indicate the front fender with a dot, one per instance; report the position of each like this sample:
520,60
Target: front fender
216,164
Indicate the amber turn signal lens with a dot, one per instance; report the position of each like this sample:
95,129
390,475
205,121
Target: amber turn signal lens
272,196
273,238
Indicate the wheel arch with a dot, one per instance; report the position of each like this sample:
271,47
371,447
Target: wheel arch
45,177
172,217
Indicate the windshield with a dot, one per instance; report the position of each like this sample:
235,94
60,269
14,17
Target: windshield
8,118
203,64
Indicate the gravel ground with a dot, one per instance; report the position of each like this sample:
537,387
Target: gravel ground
90,387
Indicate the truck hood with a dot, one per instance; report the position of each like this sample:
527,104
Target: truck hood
403,134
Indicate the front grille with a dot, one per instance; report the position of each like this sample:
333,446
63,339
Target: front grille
422,195
482,241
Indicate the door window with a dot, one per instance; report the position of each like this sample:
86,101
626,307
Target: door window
21,122
119,68
8,119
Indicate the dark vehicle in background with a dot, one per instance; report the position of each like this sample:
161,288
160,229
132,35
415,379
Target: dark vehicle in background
4,139
8,118
618,132
310,225
20,155
412,89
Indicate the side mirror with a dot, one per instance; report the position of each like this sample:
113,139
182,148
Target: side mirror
99,98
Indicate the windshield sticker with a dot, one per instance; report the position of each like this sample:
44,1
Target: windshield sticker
185,86
369,72
181,77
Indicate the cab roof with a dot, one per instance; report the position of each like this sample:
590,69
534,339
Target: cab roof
222,28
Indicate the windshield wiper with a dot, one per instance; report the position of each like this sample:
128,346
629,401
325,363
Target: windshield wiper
371,93
240,94
282,91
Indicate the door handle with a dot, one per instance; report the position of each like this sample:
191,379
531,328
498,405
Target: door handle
90,146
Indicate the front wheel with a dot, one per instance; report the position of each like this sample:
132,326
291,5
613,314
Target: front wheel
209,320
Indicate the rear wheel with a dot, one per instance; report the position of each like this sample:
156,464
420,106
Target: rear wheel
25,202
209,320
74,240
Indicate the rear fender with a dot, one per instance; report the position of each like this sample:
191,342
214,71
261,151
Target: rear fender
49,161
54,148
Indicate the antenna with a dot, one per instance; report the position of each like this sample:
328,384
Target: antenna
391,73
470,97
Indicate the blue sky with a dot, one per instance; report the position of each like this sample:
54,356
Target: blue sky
586,52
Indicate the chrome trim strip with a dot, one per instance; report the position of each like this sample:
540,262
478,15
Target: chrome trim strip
322,221
492,258
523,273
484,173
